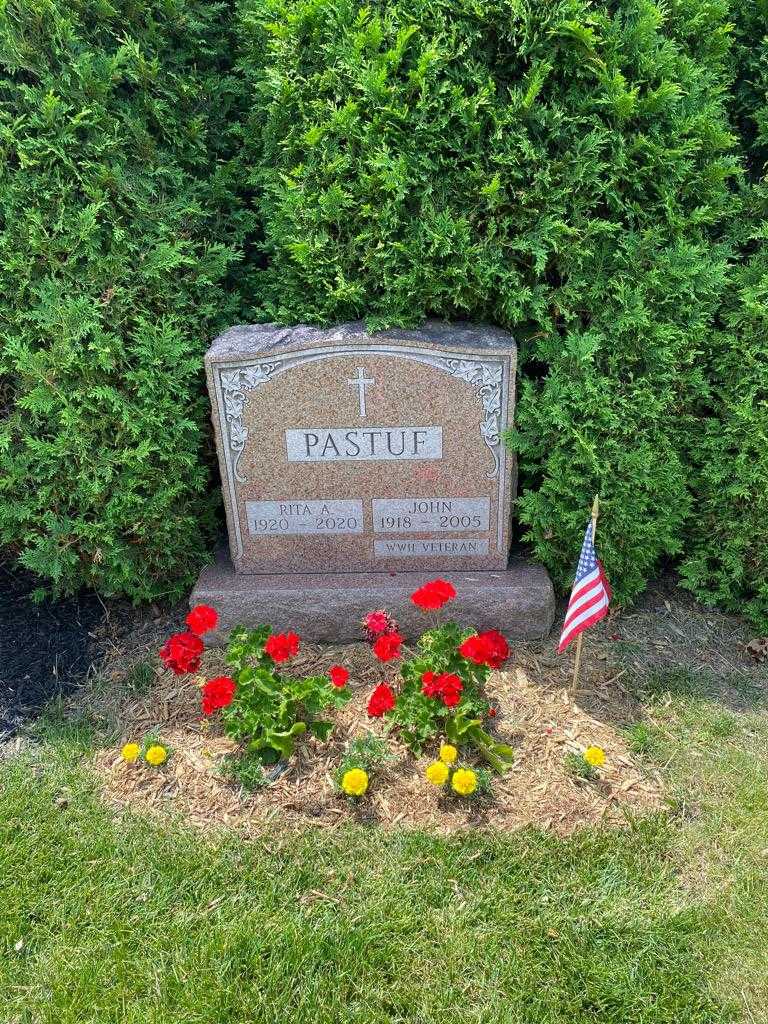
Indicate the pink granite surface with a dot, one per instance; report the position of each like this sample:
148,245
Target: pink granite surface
519,601
317,431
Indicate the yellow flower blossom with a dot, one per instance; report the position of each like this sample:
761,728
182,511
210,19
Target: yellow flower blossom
448,753
594,756
437,773
156,755
464,781
130,752
355,782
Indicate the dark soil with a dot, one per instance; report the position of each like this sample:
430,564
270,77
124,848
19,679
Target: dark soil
44,647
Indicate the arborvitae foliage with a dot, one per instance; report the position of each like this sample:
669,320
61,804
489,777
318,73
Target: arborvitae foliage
747,102
116,236
559,168
727,562
728,548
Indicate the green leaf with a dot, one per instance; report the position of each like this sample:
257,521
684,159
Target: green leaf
284,741
321,729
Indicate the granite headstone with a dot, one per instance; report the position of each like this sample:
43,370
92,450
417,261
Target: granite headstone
356,463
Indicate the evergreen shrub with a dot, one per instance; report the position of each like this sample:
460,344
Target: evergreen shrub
561,169
117,239
747,96
727,552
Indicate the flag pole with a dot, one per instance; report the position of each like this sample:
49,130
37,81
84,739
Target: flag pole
577,662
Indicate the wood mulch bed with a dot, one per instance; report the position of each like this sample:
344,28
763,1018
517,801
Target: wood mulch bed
123,690
535,714
45,646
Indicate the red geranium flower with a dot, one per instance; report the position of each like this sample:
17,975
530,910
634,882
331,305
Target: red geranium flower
282,646
446,686
382,699
488,648
387,646
338,675
450,689
430,685
181,653
377,622
433,595
218,693
202,619
474,649
497,647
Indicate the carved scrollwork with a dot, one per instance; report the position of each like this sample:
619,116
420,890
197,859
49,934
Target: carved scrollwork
485,377
235,384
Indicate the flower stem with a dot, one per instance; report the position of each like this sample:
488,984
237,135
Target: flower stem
488,755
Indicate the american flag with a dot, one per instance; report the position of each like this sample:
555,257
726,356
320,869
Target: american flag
590,595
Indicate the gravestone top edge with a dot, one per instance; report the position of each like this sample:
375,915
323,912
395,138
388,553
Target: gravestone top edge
245,340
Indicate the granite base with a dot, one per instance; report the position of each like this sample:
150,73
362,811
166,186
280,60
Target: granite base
519,600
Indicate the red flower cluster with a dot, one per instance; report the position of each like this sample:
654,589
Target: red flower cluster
282,646
181,653
202,619
433,595
387,646
382,699
446,686
338,675
377,623
218,693
489,649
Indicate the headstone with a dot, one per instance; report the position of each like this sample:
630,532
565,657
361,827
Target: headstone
382,455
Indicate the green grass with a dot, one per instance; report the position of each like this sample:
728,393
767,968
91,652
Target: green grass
140,677
69,734
125,920
645,740
245,770
717,769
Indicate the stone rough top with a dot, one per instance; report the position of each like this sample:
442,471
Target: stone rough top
248,339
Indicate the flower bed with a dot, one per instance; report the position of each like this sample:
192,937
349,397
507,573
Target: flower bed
440,688
448,733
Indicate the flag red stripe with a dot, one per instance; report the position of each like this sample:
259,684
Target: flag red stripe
598,615
584,584
604,578
585,614
596,611
582,613
587,598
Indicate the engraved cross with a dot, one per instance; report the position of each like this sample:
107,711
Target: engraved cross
360,382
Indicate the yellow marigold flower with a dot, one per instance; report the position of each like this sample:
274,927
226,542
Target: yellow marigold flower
448,753
355,782
464,781
130,752
437,773
594,756
156,754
